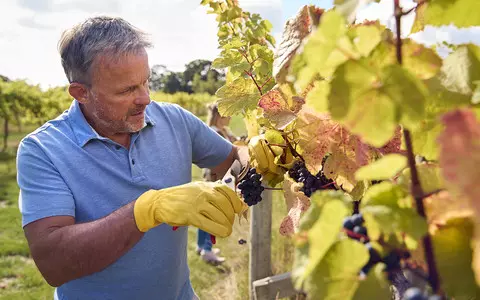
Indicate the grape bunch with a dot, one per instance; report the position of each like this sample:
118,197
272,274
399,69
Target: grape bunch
355,229
311,183
251,187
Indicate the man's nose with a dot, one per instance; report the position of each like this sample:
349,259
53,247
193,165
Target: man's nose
143,98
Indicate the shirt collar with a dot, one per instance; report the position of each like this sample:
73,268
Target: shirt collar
84,132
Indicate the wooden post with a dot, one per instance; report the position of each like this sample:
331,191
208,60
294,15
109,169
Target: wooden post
260,243
276,287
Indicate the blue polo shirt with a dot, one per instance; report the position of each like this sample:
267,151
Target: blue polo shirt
66,168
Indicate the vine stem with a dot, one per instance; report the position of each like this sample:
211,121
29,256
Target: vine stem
416,186
254,81
273,189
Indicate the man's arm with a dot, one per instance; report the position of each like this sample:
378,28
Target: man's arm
64,251
238,152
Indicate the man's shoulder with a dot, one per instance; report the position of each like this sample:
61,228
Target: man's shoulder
51,131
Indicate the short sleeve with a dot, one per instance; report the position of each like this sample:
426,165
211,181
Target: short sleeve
43,192
209,148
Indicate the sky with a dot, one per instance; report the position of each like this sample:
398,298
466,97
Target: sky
181,30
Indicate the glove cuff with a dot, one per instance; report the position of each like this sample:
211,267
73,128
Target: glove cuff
144,211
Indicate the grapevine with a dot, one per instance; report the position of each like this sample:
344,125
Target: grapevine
377,138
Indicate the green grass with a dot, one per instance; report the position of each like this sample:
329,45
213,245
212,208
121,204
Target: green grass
20,279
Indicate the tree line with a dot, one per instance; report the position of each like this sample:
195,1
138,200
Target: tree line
25,104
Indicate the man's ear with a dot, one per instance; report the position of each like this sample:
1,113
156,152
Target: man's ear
79,92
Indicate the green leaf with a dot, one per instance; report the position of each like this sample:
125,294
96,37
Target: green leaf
384,168
461,13
329,46
317,98
366,38
356,100
336,277
424,138
323,221
429,175
235,43
419,60
375,286
237,97
453,253
302,72
407,91
384,193
461,69
324,232
227,58
391,220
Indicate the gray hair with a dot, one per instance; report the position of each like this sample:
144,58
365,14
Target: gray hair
81,44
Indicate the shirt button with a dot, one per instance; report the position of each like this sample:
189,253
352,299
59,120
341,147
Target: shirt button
118,147
133,161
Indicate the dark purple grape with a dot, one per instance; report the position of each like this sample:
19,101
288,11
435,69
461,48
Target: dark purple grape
348,224
357,219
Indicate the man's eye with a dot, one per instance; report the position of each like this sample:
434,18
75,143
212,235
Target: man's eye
130,89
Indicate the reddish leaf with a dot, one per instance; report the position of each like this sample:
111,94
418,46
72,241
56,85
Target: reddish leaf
276,108
297,203
460,154
296,29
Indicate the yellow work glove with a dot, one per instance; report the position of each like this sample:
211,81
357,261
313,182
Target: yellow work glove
210,206
263,159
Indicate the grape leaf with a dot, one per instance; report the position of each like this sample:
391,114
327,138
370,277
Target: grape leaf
461,69
453,253
297,204
442,207
407,91
316,134
439,101
329,46
460,154
336,277
394,144
429,175
355,101
318,96
276,108
240,95
424,138
323,220
461,13
420,60
324,232
296,29
384,168
375,286
384,193
341,168
391,220
366,37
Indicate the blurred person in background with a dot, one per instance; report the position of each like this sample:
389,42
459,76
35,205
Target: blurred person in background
204,240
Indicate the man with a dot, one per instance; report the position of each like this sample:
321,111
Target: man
102,185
